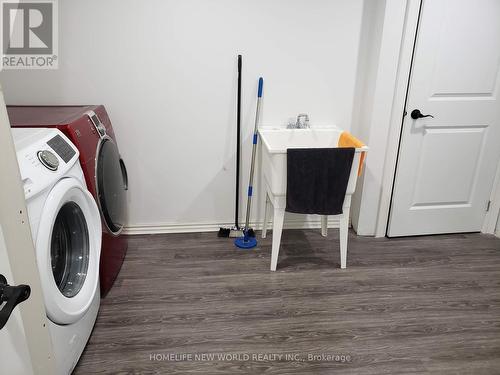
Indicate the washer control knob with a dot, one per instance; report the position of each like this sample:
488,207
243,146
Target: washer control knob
48,159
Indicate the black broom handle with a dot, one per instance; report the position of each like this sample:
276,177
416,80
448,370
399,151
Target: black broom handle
238,130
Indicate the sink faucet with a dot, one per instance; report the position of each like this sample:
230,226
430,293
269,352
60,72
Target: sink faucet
301,123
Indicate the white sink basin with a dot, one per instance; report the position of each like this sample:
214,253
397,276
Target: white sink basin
278,140
275,142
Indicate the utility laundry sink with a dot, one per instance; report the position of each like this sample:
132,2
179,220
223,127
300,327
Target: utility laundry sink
275,142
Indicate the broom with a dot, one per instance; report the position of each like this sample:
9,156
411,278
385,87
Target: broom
236,231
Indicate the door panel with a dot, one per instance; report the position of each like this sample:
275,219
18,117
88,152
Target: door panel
438,169
467,40
446,164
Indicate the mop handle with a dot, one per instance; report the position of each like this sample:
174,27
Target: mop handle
254,148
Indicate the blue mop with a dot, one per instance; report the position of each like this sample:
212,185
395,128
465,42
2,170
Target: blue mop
248,240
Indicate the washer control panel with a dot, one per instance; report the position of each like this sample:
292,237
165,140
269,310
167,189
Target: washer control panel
44,156
48,159
62,148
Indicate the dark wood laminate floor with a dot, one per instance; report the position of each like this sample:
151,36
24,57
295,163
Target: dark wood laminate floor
409,305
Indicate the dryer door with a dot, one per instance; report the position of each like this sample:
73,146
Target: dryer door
68,248
111,184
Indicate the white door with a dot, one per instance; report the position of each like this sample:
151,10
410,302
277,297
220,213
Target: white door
446,164
25,345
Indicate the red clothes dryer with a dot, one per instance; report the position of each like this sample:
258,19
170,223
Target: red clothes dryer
89,128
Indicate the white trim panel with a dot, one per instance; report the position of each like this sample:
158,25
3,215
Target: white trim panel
213,227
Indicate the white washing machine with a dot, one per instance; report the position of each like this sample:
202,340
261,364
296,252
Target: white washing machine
66,229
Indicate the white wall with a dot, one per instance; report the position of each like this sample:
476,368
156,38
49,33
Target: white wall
166,72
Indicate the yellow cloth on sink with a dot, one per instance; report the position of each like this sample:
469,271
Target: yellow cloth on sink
348,140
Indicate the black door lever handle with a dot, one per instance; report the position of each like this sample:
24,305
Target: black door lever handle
12,295
416,114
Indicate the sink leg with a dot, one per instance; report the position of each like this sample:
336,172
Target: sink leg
279,216
344,229
266,217
324,225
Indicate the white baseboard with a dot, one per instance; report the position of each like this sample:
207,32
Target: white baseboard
214,227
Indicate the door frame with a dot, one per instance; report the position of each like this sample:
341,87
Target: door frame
401,88
21,253
410,33
492,220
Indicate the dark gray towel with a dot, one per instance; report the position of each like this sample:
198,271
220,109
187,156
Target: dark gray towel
317,179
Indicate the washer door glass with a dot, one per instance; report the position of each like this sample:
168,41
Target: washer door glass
111,186
69,249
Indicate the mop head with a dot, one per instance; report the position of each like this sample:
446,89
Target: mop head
246,241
